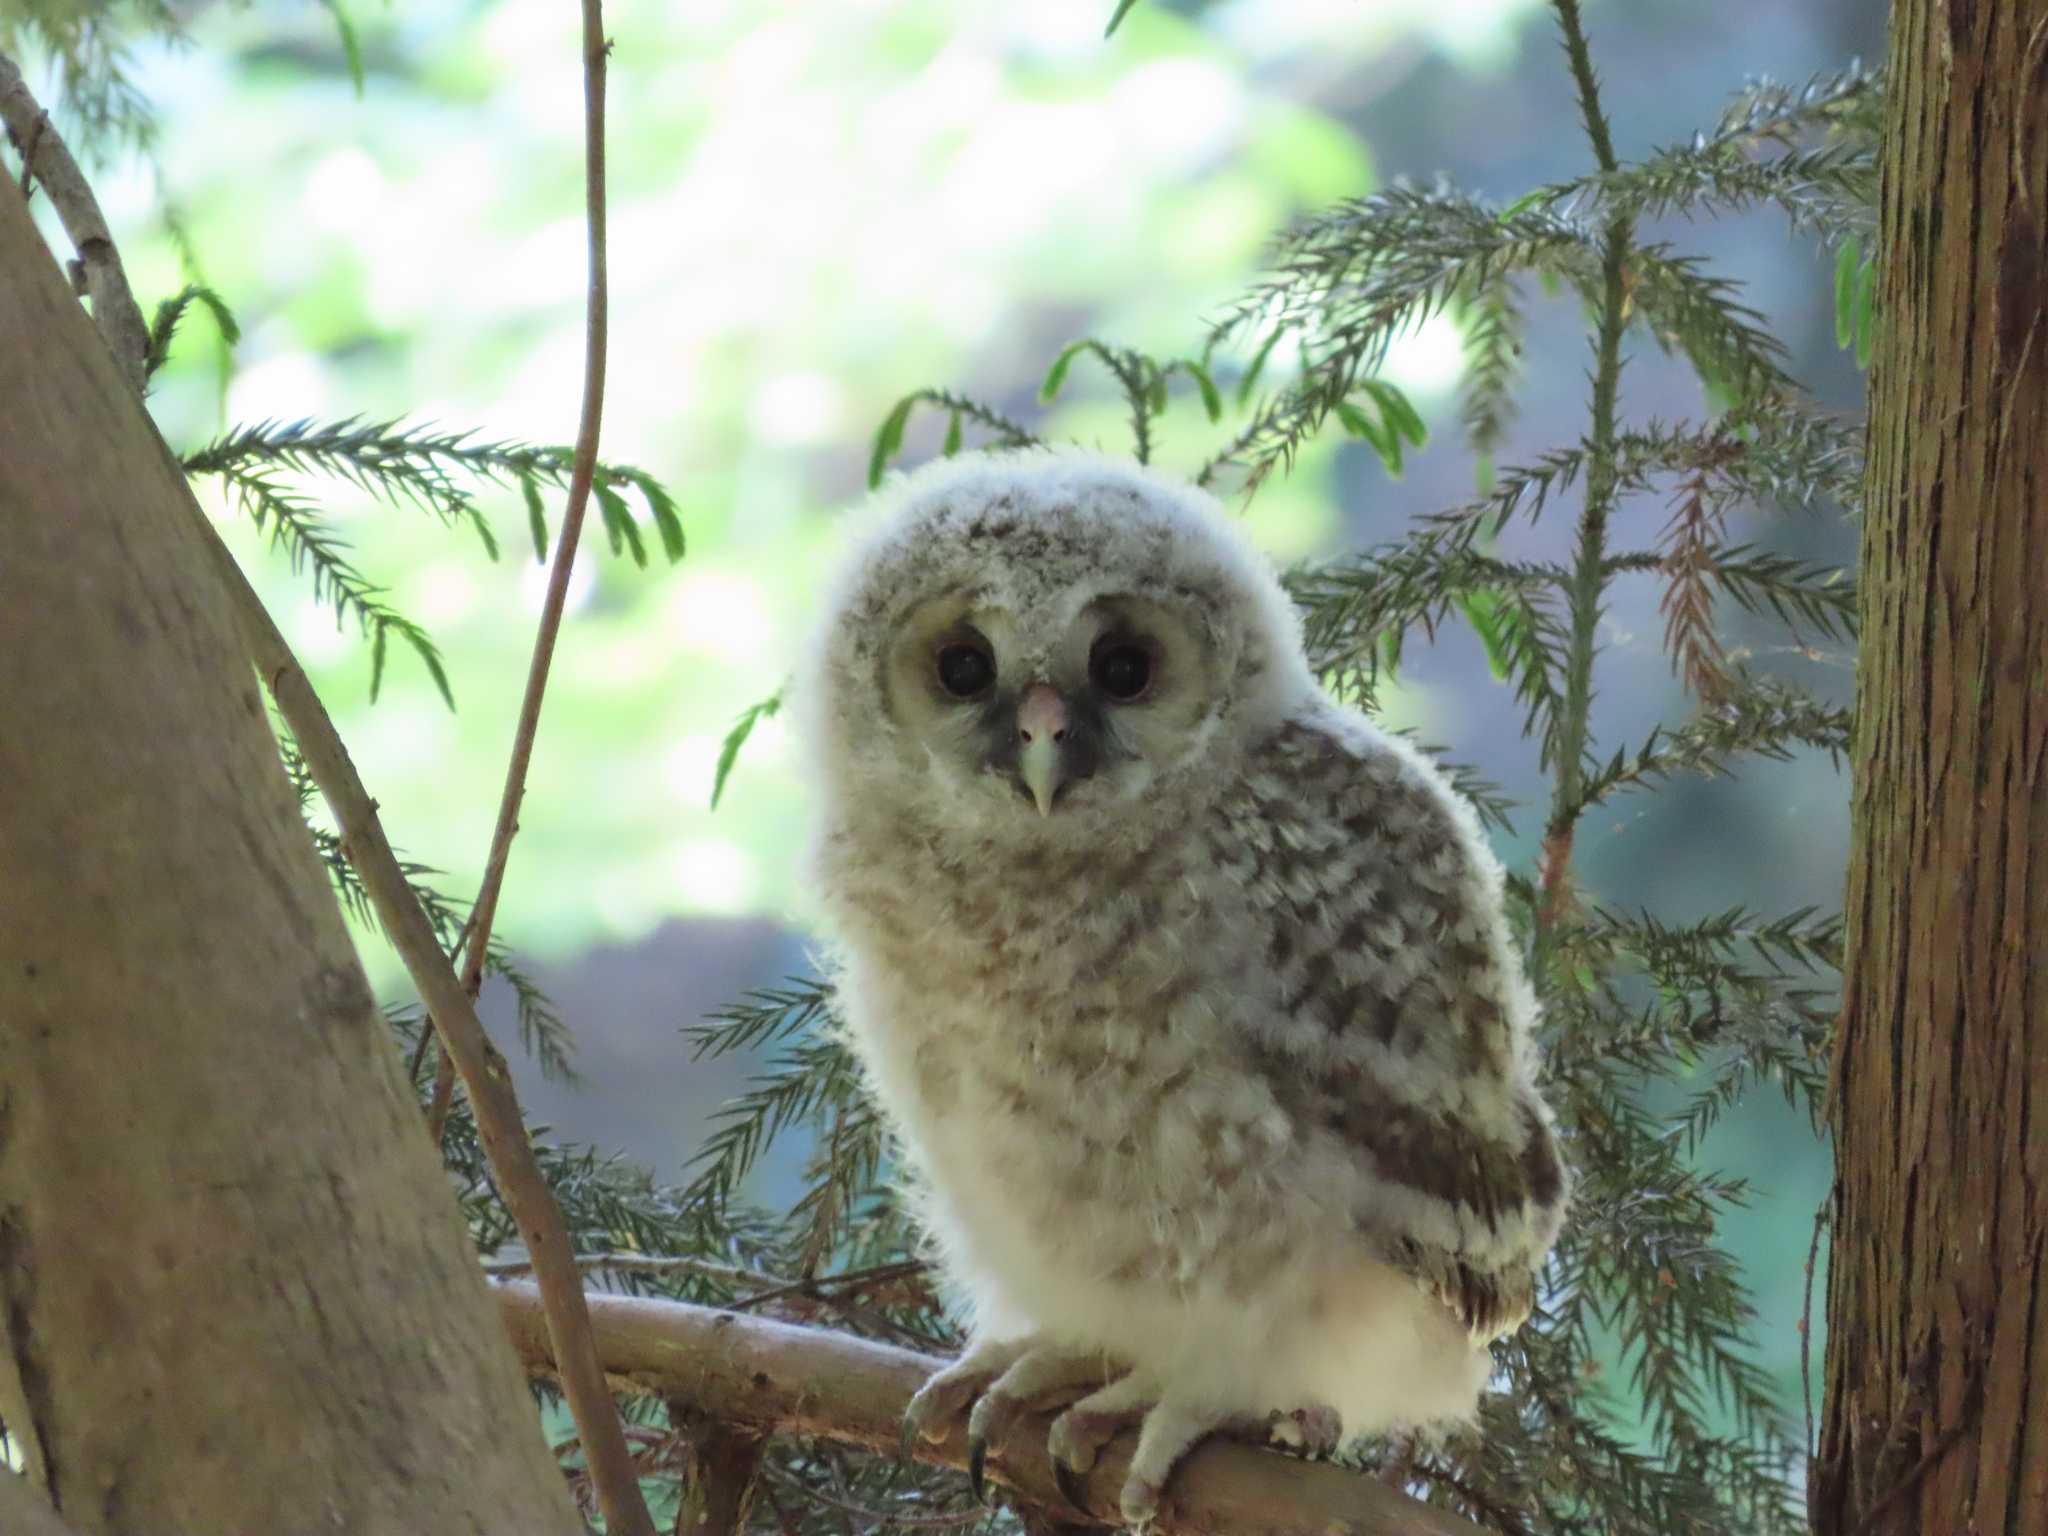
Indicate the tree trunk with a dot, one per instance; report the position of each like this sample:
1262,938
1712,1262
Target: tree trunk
236,1293
1937,1371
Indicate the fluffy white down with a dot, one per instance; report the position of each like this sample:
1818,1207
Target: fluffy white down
1054,1014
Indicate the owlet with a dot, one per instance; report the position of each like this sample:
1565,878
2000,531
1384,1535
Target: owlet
1186,991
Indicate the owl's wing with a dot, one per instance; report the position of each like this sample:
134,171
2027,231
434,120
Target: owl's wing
1403,1016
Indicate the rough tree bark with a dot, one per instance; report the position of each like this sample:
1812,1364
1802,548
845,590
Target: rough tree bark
235,1291
1937,1371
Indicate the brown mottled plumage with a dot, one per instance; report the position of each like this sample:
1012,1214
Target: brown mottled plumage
1186,990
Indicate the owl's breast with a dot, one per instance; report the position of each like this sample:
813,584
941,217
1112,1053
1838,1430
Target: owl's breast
1066,1065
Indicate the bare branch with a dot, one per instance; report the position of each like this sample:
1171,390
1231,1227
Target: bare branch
581,474
770,1377
46,159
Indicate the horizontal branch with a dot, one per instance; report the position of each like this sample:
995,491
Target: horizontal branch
45,159
776,1377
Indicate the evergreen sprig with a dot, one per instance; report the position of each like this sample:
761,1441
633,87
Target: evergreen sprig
543,1033
315,550
438,471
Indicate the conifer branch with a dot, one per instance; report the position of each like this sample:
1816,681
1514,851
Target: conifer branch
97,273
396,462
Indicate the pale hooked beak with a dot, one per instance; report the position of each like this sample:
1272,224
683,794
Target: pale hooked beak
1041,728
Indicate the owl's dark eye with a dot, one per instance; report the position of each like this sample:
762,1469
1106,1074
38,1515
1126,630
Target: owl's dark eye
966,671
1122,669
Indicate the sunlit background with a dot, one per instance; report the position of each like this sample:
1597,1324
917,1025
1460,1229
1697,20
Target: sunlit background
816,208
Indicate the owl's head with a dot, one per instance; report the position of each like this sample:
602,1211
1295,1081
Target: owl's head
1045,644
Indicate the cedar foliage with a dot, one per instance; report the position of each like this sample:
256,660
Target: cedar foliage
1693,1440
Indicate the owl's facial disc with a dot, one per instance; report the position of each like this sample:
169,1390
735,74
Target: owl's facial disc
1063,706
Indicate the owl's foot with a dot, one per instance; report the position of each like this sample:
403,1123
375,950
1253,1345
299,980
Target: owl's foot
946,1394
1078,1435
1167,1430
1042,1375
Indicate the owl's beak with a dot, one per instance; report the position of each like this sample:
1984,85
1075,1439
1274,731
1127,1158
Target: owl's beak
1041,729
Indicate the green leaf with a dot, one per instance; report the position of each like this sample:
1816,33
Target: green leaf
377,660
1397,412
952,444
172,311
1255,367
230,332
1123,9
889,439
618,522
536,518
736,738
1390,649
426,652
1493,620
662,507
1866,312
351,46
1056,375
1385,441
1212,402
1846,263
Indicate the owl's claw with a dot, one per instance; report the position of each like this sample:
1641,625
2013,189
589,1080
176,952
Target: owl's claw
1073,1484
977,1459
947,1393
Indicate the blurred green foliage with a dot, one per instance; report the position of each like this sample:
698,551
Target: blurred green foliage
812,209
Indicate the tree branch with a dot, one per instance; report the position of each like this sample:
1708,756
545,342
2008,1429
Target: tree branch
769,1377
45,158
723,1467
581,473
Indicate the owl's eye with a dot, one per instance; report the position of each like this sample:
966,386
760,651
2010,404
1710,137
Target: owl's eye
1122,669
966,671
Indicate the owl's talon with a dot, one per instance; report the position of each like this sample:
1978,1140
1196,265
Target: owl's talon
977,1458
1073,1484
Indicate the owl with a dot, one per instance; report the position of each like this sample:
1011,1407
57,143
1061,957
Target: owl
1185,990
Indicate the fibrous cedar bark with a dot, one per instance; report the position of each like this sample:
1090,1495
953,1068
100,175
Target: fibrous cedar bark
235,1294
1936,1418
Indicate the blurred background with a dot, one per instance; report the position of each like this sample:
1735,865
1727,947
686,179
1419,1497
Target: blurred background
814,210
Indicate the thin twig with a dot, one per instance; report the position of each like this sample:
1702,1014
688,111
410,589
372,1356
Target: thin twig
879,1518
597,1421
581,472
828,1287
47,159
639,1264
